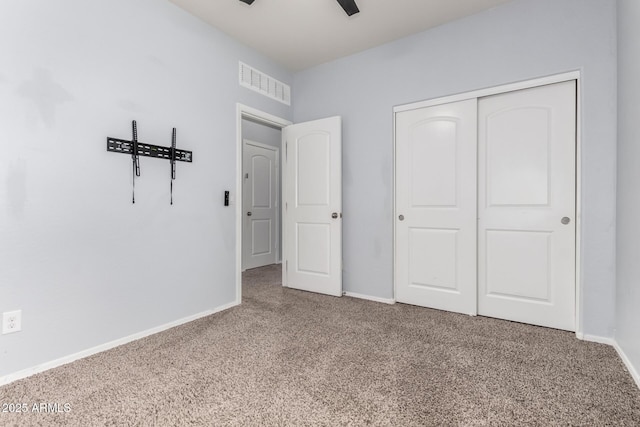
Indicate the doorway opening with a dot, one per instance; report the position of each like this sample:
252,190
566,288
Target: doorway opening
261,201
260,132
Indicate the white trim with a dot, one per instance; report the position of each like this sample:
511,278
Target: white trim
369,298
527,84
253,114
596,338
578,273
261,117
261,145
612,342
632,370
395,205
107,346
481,93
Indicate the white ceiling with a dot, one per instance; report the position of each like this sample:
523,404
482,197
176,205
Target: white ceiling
302,33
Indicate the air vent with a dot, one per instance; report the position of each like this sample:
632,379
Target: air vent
265,84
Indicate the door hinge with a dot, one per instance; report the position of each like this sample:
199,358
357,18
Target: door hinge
286,151
286,273
246,176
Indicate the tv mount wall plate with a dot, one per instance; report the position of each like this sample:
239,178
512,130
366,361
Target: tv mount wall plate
137,149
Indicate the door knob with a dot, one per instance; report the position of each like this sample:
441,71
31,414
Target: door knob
334,215
565,220
401,217
249,214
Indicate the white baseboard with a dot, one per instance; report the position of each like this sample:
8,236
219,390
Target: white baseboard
245,269
595,338
632,370
369,298
107,346
612,342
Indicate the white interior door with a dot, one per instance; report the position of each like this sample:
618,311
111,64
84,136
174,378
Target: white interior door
526,206
259,205
312,200
435,252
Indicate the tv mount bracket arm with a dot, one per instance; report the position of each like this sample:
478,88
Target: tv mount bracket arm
137,149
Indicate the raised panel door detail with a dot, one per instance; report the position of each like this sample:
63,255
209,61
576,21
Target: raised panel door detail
312,204
435,189
433,259
433,148
518,156
261,168
313,247
518,265
313,160
526,186
259,204
261,237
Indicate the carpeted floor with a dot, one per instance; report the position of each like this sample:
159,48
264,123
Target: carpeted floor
287,357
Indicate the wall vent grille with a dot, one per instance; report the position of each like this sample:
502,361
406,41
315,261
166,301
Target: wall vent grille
264,84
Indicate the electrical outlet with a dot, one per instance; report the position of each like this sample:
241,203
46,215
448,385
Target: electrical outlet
11,322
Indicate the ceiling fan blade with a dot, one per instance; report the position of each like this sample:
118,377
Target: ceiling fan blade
349,6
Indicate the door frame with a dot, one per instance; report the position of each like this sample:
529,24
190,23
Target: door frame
261,117
496,90
276,150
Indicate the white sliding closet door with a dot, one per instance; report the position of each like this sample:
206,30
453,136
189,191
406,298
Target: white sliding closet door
511,255
435,226
527,205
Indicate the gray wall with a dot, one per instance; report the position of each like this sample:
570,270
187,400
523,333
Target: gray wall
517,41
261,133
83,264
628,223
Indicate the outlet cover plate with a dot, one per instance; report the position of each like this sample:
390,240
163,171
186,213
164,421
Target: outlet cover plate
11,322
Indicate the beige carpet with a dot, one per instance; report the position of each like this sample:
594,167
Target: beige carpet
287,357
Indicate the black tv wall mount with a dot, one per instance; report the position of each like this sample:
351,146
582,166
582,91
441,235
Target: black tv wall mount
136,149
